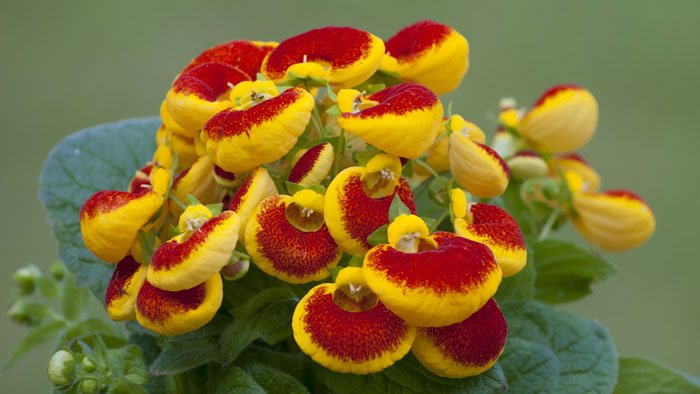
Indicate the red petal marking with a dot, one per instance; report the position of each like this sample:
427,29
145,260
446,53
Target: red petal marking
239,53
496,156
306,163
172,253
355,336
208,81
181,176
455,265
230,122
398,100
624,193
361,214
139,181
553,91
289,249
121,277
475,341
223,174
575,157
527,153
158,305
339,46
414,39
495,223
106,201
237,198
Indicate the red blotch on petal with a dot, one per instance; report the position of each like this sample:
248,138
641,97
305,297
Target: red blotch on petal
495,223
306,163
106,201
121,277
624,193
208,81
159,305
496,156
245,55
413,40
553,91
398,100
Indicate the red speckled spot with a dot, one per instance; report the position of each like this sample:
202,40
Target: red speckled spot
496,156
338,46
172,253
223,174
159,305
239,53
475,341
455,265
121,277
361,214
289,249
553,91
497,224
414,39
398,100
306,162
237,198
230,122
355,336
106,201
624,193
208,81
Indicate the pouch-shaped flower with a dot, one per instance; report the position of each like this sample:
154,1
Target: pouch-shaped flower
313,165
123,288
254,189
244,54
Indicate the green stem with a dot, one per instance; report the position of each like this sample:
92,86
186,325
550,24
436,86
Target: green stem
427,167
177,201
439,220
316,116
340,152
550,223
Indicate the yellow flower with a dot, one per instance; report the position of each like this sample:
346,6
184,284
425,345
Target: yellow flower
196,180
578,173
311,166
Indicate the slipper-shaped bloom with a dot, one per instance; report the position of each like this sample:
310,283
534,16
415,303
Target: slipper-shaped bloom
527,164
343,56
475,166
287,238
123,288
573,163
240,140
196,180
343,327
110,219
169,122
358,200
563,119
184,147
200,251
258,186
463,349
430,53
224,178
493,227
614,220
430,280
313,165
177,312
201,92
402,120
246,55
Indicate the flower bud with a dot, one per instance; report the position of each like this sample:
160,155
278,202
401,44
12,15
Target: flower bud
527,164
25,279
61,368
88,364
89,386
235,271
57,270
18,312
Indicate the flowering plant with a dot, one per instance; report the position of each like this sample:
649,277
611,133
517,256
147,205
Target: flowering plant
308,216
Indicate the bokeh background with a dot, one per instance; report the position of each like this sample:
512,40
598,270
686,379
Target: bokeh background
71,64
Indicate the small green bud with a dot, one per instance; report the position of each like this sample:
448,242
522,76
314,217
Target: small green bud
88,364
20,313
25,279
527,165
61,368
89,386
235,271
57,270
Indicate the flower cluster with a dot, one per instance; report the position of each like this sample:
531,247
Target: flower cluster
303,157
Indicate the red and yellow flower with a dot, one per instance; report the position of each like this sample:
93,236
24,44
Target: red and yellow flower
246,55
257,186
198,181
579,175
311,166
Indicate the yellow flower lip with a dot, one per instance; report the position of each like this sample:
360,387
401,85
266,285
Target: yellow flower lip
433,287
123,288
255,188
238,141
382,175
409,234
199,181
615,220
352,214
459,125
344,56
177,312
586,178
312,165
110,220
200,252
476,167
299,250
404,122
563,119
249,93
430,53
199,93
463,349
360,341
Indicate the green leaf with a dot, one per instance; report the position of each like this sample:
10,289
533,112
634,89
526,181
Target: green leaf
379,236
565,271
356,261
520,286
642,376
274,381
215,208
232,380
582,349
511,201
266,315
397,208
409,376
293,187
334,110
425,205
290,363
529,367
99,158
75,299
192,200
331,94
34,338
179,357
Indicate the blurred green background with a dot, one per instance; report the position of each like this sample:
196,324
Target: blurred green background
71,64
